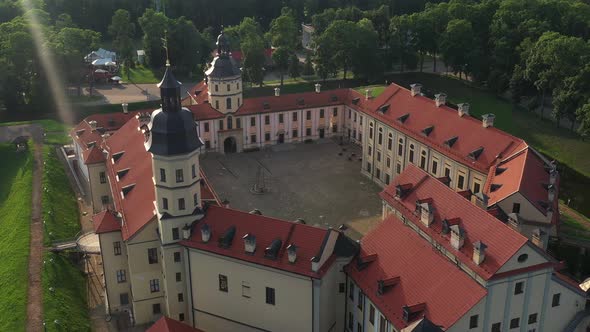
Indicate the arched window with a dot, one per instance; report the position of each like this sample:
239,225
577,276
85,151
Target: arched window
230,123
423,160
228,87
238,86
400,147
371,130
228,103
217,104
411,157
380,136
216,88
390,142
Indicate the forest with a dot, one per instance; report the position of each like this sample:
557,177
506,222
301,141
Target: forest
533,51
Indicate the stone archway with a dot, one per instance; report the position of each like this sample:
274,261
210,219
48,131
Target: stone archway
230,145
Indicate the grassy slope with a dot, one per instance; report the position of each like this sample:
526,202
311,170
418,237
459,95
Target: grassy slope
47,124
140,75
67,302
15,215
60,209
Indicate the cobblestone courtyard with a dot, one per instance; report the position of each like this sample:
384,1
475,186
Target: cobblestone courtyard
309,181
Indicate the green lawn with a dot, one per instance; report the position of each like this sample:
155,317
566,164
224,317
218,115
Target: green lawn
60,209
15,217
66,303
376,90
47,124
140,75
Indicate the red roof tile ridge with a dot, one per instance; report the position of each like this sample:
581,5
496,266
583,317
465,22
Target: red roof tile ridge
208,184
268,217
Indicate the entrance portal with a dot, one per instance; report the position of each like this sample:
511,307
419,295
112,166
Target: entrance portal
281,139
322,133
229,145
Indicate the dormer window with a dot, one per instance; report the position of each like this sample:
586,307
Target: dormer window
300,101
126,190
383,109
356,100
426,131
476,153
495,187
265,105
333,98
117,156
385,284
410,313
451,141
121,174
226,239
272,251
403,118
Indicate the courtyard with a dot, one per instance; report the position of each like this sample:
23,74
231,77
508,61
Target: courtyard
308,181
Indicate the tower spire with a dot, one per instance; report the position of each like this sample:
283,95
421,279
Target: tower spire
165,46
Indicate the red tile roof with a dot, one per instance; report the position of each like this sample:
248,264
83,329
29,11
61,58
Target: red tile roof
205,111
166,324
105,222
307,239
523,172
502,241
293,101
93,155
424,277
197,93
446,122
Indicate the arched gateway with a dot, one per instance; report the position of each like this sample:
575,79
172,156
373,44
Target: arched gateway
229,145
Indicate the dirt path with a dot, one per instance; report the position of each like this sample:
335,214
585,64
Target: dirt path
35,291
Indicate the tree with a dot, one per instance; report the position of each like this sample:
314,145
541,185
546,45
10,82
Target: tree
308,66
187,47
570,96
253,53
284,32
154,25
457,45
64,21
122,32
72,44
583,115
365,62
553,58
401,39
294,66
281,57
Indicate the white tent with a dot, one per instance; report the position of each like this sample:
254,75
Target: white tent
104,62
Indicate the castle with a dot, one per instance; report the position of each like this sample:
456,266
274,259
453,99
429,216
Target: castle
467,213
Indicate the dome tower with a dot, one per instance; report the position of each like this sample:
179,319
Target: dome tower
224,79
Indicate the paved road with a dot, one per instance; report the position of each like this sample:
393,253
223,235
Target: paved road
128,92
9,133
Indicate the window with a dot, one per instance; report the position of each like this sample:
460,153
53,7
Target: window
555,300
177,256
321,113
371,314
217,104
178,277
154,285
448,172
238,86
121,276
519,288
267,137
388,162
181,317
103,177
294,116
194,170
267,119
473,320
349,114
156,308
308,132
180,297
207,144
382,324
516,208
532,318
371,131
497,327
460,182
411,156
378,173
228,87
334,128
434,167
216,88
380,136
522,258
423,160
117,248
181,204
390,142
370,151
359,327
514,323
252,121
238,120
360,300
387,179
206,127
175,233
228,103
124,298
152,255
341,287
195,199
270,295
223,283
294,134
230,122
400,147
398,168
369,167
245,289
162,175
253,138
308,115
220,124
350,321
179,176
476,187
378,156
281,118
335,111
351,291
361,120
354,118
104,199
165,203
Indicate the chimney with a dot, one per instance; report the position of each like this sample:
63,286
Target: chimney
205,233
277,92
480,200
318,87
249,243
368,94
186,232
384,284
513,221
549,213
426,214
488,120
144,119
479,252
125,107
440,99
415,89
457,237
292,253
551,193
539,238
92,125
463,109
